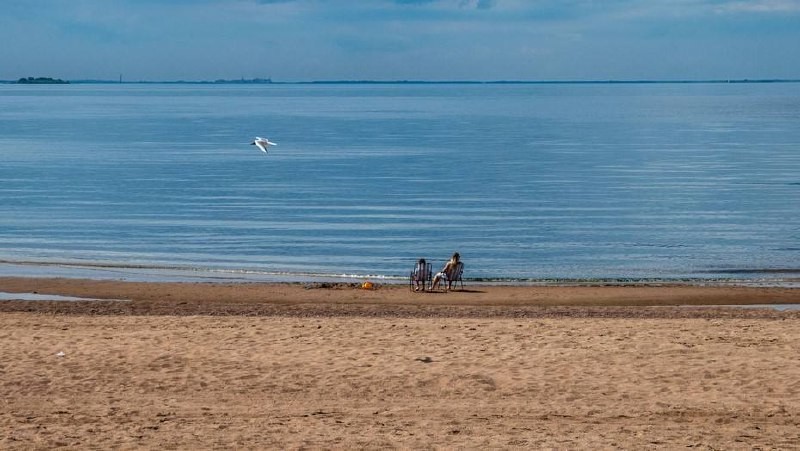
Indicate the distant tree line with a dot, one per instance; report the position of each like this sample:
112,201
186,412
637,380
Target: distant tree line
252,81
41,81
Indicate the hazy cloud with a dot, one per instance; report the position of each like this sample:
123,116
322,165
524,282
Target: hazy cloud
414,2
389,39
761,6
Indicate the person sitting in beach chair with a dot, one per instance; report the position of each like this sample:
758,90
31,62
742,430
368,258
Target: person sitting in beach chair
450,272
420,277
455,278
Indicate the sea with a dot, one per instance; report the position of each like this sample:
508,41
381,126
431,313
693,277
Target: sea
530,183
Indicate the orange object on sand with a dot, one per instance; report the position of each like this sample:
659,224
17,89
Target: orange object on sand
367,285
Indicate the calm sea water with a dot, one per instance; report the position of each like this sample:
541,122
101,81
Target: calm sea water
527,182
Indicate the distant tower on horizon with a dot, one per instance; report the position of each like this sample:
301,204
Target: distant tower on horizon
120,78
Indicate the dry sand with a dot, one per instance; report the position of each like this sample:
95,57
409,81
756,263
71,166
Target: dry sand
280,366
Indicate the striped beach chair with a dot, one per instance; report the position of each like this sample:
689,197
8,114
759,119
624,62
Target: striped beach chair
456,276
421,275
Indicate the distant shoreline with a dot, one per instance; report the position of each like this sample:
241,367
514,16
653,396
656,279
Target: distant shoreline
425,82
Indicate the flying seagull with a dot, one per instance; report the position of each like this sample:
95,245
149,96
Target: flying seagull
262,143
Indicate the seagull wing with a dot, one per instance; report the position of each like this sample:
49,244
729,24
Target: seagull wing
261,143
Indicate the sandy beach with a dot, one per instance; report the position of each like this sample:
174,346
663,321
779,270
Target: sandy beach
321,366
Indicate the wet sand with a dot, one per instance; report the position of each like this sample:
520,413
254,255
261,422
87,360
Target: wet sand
288,366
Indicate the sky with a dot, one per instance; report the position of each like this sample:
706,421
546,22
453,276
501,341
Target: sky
304,40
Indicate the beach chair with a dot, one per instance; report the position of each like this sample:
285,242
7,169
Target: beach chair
423,274
450,278
456,276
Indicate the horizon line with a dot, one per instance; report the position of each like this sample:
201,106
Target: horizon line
259,81
454,81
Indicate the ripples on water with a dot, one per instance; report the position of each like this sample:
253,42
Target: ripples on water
526,181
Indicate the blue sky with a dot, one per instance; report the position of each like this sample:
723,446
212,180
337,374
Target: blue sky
298,40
